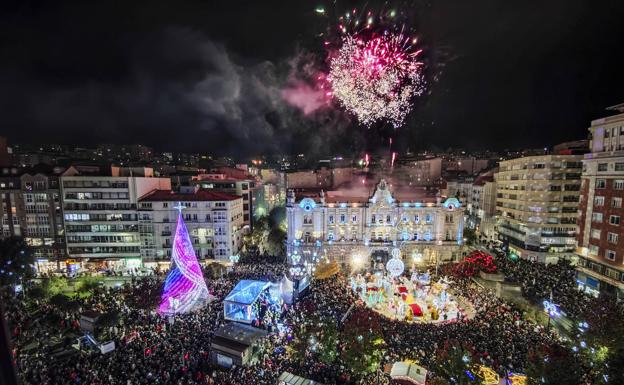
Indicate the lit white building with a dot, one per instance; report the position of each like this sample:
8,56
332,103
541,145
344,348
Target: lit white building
344,224
247,188
537,205
100,217
214,221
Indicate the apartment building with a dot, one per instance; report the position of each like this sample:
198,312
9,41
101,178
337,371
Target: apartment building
413,171
537,201
482,206
483,198
39,212
600,237
31,209
10,188
214,221
101,217
246,188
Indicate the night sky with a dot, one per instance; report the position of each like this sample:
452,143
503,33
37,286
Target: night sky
206,76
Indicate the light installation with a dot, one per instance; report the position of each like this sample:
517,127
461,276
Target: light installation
307,204
184,287
395,266
552,309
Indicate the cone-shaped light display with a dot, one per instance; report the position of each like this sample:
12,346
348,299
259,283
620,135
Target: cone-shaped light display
185,287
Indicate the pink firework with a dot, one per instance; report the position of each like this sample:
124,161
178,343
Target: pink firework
377,77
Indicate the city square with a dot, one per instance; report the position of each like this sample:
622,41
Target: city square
293,193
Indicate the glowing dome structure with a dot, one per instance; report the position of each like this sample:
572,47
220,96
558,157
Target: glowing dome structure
185,288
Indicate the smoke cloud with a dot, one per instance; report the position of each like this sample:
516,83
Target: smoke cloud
176,90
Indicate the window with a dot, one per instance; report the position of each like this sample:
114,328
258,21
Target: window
614,219
330,236
610,255
618,184
330,219
619,166
599,201
616,202
597,217
307,220
165,204
416,218
612,238
595,233
354,218
387,218
373,217
602,166
593,249
601,183
428,218
343,218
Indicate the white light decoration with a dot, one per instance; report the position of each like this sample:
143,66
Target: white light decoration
552,309
395,266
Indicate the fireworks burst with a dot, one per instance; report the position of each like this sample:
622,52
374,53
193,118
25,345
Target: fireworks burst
377,77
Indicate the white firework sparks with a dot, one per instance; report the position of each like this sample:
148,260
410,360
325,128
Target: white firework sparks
378,79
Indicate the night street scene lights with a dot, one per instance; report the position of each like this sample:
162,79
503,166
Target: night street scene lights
331,193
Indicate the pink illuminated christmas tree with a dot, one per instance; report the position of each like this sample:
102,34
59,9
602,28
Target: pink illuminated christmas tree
185,288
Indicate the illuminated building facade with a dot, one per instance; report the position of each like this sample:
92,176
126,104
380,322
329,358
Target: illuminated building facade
600,238
100,217
251,192
214,221
346,224
537,201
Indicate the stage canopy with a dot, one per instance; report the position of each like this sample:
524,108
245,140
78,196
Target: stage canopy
237,306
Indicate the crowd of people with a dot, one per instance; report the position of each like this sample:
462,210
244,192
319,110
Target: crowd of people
540,281
151,349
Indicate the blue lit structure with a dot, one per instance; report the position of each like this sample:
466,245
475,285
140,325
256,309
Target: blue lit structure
238,305
307,204
452,203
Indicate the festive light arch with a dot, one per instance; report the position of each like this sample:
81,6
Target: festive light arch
184,287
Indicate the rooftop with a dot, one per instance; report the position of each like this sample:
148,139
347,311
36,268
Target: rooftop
247,291
483,179
237,335
198,196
